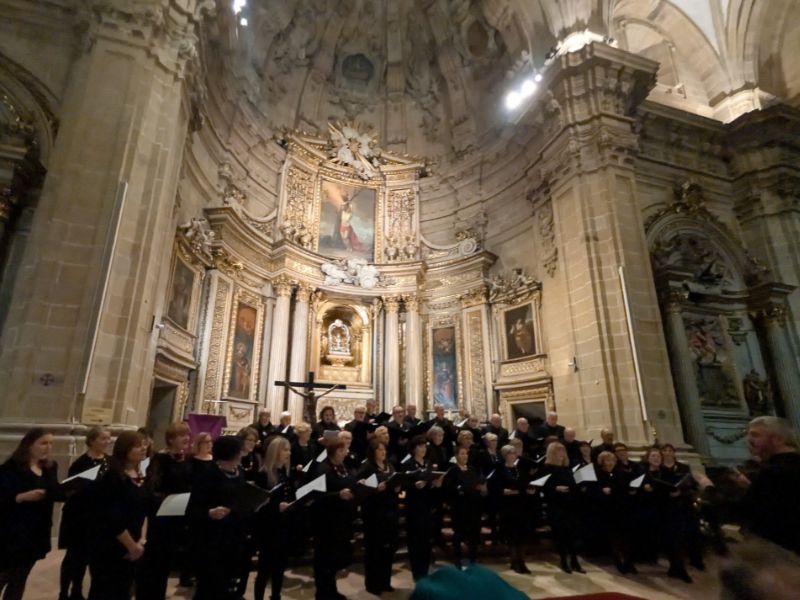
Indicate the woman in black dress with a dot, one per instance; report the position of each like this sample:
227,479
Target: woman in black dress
169,473
464,488
28,488
515,506
251,458
217,527
202,459
657,522
120,502
560,495
303,450
76,518
610,511
381,515
438,455
332,517
419,505
686,518
274,525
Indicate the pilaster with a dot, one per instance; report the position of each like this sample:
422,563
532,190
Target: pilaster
391,392
609,354
103,227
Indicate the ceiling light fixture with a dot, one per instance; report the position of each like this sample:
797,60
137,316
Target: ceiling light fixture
238,5
513,100
243,22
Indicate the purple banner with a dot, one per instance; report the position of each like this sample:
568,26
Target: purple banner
213,424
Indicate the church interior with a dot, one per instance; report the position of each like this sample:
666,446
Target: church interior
498,206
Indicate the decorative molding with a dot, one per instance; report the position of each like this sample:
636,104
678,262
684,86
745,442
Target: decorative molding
473,297
226,263
477,381
401,243
728,439
513,288
298,190
211,388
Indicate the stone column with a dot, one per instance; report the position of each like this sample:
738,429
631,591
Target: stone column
413,353
124,124
391,391
279,345
298,366
683,374
783,362
588,135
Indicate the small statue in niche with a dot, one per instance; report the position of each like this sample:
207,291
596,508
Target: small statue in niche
337,348
757,394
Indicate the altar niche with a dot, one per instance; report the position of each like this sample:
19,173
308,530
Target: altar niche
342,343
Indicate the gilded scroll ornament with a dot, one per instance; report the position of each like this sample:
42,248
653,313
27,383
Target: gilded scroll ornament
299,198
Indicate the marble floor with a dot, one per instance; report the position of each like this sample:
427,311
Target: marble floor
545,581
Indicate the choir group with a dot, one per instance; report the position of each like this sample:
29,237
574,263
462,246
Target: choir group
207,508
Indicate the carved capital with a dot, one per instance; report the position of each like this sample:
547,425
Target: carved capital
392,303
411,302
773,315
283,286
304,291
672,299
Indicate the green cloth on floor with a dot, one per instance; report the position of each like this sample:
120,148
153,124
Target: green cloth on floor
474,582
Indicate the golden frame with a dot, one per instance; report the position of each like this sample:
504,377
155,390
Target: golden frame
197,288
439,323
253,300
500,311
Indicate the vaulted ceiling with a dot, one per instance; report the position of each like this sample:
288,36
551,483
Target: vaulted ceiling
430,75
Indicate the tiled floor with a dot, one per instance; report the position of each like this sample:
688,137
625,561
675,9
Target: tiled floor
546,581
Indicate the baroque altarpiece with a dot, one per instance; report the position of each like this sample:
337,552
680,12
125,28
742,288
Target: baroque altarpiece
339,280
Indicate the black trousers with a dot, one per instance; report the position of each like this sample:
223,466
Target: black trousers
378,555
13,580
272,562
73,570
112,578
324,577
419,532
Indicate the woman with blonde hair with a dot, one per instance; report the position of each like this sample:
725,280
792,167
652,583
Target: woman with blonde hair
274,526
202,460
560,494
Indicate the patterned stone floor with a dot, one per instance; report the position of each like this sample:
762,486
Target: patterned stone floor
545,581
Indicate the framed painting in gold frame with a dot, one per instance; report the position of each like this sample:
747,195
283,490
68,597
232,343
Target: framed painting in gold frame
244,347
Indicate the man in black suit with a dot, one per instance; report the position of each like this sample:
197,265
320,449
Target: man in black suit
495,426
607,435
359,429
411,415
523,434
550,427
398,435
446,424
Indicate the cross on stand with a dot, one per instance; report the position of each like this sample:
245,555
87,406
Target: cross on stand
310,397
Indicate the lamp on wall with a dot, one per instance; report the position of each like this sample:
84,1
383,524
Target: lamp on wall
573,364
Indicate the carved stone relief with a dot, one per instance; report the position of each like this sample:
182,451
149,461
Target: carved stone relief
401,239
476,365
512,287
713,363
297,212
547,236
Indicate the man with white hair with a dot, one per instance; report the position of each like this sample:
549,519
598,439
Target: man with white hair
770,503
285,427
523,434
495,426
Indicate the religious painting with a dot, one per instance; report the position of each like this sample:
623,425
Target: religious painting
445,378
244,339
519,331
180,300
347,221
713,365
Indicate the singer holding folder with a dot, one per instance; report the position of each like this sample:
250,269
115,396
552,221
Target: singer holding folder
28,488
381,514
332,515
464,489
120,509
274,524
76,517
560,494
219,530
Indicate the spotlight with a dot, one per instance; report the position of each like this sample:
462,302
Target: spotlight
513,100
243,22
528,87
238,5
537,78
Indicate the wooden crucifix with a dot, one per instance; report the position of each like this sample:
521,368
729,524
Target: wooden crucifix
310,397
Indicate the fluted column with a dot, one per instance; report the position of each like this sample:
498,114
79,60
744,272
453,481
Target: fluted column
297,366
391,392
783,362
279,344
413,352
683,375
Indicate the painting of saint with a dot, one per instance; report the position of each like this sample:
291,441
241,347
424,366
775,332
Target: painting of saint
519,332
242,357
347,221
444,367
181,294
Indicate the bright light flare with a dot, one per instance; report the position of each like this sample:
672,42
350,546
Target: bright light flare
513,100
